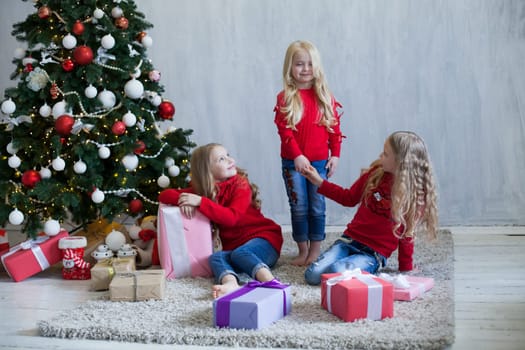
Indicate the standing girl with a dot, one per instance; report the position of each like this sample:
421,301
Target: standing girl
308,125
396,196
222,192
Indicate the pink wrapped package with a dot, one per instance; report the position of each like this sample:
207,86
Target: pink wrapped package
184,244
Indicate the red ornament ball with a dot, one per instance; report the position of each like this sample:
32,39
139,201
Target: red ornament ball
44,12
122,23
78,28
166,110
140,36
64,124
30,178
135,206
68,65
118,128
28,68
140,147
83,55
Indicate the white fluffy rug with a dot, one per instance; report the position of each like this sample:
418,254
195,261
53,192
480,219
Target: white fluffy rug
185,315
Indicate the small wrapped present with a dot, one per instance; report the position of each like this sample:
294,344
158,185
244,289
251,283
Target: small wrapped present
104,271
138,285
407,288
32,256
353,295
254,306
184,244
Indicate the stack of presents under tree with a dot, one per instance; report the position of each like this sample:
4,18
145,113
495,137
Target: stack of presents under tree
134,263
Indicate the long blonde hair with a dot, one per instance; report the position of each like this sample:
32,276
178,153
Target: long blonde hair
202,180
414,198
293,107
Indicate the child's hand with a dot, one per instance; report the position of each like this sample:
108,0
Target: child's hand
189,199
187,211
300,163
331,165
312,175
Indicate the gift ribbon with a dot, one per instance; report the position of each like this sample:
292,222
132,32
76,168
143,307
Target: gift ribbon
222,311
135,283
32,244
399,281
174,253
375,291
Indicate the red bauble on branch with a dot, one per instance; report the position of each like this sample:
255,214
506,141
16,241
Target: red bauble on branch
30,178
140,147
135,206
118,128
83,55
78,28
64,124
44,12
122,23
166,110
68,65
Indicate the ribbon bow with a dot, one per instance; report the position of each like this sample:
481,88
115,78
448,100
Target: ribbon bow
346,275
399,281
12,122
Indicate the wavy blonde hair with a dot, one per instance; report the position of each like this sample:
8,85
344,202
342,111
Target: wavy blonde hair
414,198
293,107
202,180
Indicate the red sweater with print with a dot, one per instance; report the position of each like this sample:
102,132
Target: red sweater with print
237,219
310,139
372,224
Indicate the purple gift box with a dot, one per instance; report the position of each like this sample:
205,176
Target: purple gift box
254,306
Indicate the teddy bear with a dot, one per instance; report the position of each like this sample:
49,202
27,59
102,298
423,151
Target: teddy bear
144,241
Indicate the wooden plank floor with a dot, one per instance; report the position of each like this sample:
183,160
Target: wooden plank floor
489,293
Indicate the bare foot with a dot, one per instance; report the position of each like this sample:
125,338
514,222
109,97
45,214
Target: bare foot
229,284
313,252
300,259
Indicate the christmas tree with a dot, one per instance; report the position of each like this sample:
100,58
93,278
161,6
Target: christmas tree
86,133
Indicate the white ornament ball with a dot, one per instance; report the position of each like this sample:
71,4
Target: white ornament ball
44,110
45,173
174,171
147,41
90,91
163,181
11,149
69,41
14,162
134,89
129,119
59,109
51,227
107,98
115,239
107,41
19,53
58,164
157,100
116,12
97,196
104,152
169,162
98,13
8,107
130,161
136,73
80,167
16,217
133,231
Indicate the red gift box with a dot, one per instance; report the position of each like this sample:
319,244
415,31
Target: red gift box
4,242
353,295
32,256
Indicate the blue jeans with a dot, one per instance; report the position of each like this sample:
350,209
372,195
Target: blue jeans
307,207
248,258
344,254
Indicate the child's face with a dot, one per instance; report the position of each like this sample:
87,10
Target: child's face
302,70
222,165
388,158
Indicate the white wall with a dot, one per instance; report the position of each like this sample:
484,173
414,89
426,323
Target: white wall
453,71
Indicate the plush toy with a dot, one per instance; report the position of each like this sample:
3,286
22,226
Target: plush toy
144,241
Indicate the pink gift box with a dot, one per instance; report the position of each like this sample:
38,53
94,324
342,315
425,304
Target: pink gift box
184,244
355,295
32,256
418,286
254,306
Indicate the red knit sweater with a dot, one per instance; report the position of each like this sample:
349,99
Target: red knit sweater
237,219
310,139
372,224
